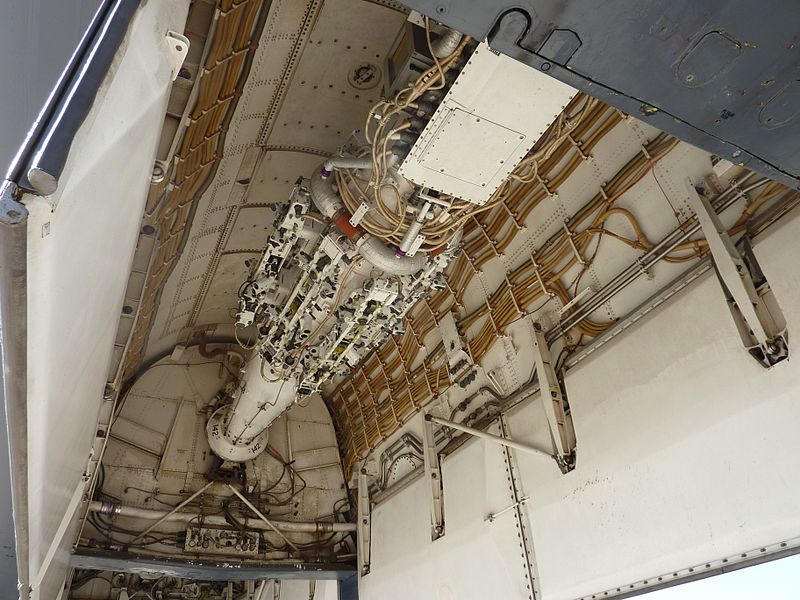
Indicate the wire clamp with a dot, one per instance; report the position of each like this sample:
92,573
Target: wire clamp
539,279
570,236
579,147
362,210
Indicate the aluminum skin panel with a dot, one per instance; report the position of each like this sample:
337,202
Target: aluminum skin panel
686,446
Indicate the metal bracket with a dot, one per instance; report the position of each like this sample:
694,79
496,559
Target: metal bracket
364,523
416,245
177,48
433,473
556,407
755,310
459,361
362,210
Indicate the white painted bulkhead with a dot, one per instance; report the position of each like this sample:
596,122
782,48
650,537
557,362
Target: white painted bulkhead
687,450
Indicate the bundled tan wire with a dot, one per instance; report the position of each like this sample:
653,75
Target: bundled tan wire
384,391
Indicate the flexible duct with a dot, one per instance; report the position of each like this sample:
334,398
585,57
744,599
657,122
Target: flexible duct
347,162
446,44
325,199
384,258
189,517
374,250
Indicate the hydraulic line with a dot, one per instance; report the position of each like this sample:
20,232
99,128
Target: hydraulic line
164,516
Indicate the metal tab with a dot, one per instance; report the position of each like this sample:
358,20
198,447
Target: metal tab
415,245
362,210
177,49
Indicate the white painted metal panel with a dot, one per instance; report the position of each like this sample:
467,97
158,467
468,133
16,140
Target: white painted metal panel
684,445
492,116
687,451
474,560
81,242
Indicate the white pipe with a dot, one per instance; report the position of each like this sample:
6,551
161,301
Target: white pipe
261,516
446,44
172,512
492,438
217,520
347,162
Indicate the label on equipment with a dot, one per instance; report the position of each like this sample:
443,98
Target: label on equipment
359,214
208,540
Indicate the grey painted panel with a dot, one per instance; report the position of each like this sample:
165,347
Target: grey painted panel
720,74
37,38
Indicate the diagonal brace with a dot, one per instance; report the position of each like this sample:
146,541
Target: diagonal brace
758,317
556,408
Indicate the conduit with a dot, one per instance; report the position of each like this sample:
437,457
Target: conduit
218,520
346,162
384,258
446,44
374,251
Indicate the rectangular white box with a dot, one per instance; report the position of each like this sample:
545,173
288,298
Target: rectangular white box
491,117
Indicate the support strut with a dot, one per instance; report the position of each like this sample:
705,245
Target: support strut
755,310
556,408
488,436
433,473
364,523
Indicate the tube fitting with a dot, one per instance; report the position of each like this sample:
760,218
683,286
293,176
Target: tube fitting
374,250
345,162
